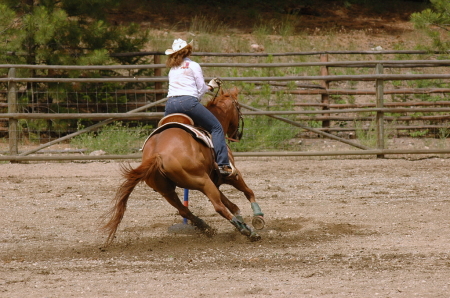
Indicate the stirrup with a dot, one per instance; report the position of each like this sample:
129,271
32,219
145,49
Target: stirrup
225,170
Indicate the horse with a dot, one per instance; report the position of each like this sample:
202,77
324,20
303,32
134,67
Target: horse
173,158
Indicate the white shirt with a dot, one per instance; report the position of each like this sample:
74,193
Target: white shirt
187,79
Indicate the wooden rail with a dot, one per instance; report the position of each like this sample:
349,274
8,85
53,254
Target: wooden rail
158,115
327,111
311,53
354,64
377,152
373,77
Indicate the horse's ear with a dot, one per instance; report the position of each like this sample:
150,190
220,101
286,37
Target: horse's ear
222,92
235,91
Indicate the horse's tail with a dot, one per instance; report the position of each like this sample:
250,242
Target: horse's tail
132,178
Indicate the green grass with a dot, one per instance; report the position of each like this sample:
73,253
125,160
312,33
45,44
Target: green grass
265,134
116,138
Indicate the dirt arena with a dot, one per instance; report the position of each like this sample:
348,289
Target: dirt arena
335,228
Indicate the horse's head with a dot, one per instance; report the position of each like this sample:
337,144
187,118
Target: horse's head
227,110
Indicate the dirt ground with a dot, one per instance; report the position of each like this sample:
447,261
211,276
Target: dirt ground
335,228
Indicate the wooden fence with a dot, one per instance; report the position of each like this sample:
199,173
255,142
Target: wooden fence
328,111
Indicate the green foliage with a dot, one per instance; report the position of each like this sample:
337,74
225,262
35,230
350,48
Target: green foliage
261,32
444,133
366,133
283,26
418,133
433,21
367,136
68,32
115,138
286,26
35,130
337,99
65,32
35,125
262,133
265,133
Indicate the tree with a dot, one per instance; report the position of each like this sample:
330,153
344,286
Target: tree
436,22
74,32
64,32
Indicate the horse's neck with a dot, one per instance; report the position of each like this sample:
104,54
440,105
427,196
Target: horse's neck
221,115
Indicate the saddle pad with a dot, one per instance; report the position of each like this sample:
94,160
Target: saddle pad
196,133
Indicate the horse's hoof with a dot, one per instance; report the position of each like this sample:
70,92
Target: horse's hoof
204,228
258,222
246,232
254,237
210,232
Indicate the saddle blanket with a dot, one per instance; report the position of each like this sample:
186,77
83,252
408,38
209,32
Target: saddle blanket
196,133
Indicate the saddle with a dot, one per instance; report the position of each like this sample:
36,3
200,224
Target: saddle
184,122
176,117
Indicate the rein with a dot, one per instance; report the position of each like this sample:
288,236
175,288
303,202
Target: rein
240,127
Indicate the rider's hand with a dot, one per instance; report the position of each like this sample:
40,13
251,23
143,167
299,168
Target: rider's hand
215,83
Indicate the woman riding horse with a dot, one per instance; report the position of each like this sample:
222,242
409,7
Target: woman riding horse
172,158
186,88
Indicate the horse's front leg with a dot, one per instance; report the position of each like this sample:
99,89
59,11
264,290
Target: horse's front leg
239,183
234,209
228,210
238,220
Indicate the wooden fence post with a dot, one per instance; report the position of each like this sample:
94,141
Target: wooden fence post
325,97
380,115
12,108
158,73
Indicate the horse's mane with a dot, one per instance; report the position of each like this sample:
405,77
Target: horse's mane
232,92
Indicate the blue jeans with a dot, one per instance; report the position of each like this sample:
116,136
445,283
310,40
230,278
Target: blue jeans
190,106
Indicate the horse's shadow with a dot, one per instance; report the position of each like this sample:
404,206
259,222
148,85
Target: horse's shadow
154,242
278,232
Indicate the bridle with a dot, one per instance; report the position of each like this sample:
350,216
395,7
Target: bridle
239,132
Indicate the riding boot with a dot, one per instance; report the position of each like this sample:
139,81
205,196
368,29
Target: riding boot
225,170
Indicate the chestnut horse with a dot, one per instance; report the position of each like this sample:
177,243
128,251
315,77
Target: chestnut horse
174,158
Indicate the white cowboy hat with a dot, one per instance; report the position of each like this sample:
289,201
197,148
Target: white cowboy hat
177,45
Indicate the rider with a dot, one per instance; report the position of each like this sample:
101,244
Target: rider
186,88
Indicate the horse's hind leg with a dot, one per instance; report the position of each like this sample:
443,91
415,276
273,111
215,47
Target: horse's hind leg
184,211
166,188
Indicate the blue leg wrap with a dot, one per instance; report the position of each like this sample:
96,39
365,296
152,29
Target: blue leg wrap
256,209
241,226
